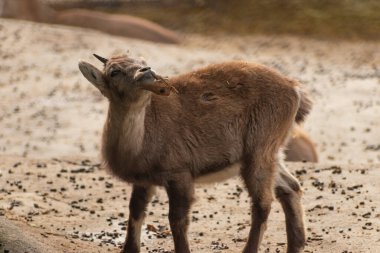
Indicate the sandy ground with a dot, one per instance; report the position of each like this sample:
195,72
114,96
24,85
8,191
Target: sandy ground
73,202
50,113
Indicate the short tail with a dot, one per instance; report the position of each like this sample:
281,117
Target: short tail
304,108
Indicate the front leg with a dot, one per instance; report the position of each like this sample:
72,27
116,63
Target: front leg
140,198
180,195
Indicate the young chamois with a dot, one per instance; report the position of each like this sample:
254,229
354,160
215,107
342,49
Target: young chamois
224,118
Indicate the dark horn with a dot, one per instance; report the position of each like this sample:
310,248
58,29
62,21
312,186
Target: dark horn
104,60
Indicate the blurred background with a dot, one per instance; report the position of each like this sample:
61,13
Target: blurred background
345,19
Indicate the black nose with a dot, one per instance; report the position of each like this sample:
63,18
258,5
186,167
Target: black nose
144,69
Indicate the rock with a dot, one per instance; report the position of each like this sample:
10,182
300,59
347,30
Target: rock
15,239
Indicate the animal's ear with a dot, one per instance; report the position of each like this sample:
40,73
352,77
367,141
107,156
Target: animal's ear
94,75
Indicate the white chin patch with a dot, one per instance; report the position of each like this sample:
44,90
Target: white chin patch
219,176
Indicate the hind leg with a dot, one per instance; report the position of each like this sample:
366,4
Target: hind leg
288,192
258,175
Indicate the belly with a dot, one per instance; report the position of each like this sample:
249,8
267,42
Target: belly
221,175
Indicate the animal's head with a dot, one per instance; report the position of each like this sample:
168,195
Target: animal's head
124,78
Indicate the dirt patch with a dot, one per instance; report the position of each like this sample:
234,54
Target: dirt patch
75,203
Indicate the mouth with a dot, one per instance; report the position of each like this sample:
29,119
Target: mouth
146,77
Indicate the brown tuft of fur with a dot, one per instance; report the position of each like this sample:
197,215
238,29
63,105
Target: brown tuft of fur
304,108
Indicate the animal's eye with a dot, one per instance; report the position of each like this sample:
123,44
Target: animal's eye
115,72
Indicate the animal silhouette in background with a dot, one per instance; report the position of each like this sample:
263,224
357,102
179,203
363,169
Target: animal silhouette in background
222,120
300,147
122,25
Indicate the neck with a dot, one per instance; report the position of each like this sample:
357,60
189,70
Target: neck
123,133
